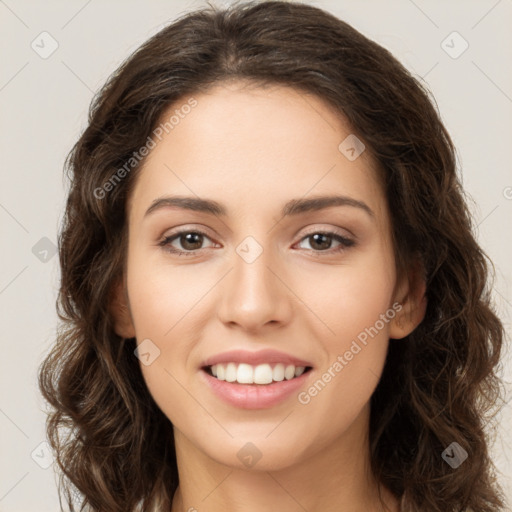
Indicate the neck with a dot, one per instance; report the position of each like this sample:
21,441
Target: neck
336,477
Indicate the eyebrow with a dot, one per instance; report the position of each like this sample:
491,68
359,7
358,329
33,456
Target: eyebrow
292,207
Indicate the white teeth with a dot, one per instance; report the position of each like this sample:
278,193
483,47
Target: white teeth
231,372
289,372
278,372
261,374
245,374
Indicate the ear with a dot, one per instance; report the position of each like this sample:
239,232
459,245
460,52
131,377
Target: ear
120,310
410,293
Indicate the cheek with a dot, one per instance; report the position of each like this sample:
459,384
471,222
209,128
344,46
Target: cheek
351,299
162,313
363,302
161,296
167,309
358,309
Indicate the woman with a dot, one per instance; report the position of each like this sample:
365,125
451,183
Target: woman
271,295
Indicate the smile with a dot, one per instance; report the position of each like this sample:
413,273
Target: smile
253,395
256,374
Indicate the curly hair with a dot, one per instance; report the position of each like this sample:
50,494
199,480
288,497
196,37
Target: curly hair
113,445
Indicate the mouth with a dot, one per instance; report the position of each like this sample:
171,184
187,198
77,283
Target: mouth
255,375
246,386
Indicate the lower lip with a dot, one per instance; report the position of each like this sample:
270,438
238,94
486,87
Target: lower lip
254,396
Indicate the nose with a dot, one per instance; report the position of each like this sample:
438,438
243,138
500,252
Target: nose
254,295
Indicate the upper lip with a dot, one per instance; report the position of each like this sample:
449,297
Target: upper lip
255,358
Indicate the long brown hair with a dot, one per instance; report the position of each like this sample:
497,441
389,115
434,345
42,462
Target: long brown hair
113,444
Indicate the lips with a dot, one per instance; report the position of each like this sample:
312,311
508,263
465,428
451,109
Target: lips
251,394
254,396
268,356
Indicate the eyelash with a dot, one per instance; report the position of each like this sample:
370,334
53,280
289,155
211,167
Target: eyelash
344,242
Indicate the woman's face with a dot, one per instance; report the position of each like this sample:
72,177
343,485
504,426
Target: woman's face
275,270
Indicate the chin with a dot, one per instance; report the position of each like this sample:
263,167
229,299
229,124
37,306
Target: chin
257,453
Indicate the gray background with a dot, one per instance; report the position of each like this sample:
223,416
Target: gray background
44,105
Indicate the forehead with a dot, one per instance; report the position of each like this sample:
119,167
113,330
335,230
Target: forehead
254,145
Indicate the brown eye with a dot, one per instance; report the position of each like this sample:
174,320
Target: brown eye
189,241
322,241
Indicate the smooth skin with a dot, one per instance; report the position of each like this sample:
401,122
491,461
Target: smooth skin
252,149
